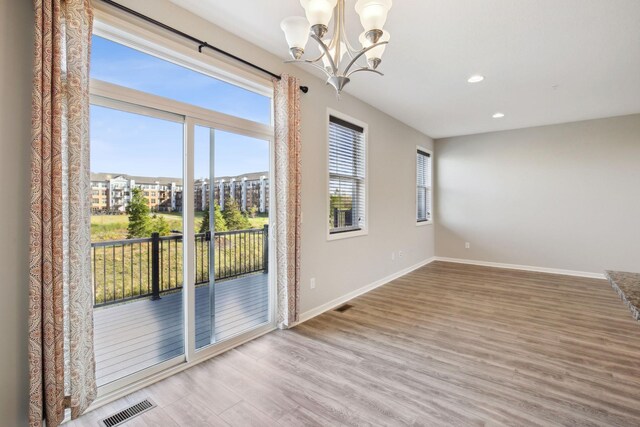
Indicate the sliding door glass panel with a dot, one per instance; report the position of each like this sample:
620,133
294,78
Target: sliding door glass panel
118,64
241,260
232,251
136,235
205,213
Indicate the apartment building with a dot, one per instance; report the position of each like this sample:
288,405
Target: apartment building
111,192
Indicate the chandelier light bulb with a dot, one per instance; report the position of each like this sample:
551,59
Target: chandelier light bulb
296,31
319,12
373,14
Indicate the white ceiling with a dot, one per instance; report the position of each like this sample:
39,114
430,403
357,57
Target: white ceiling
544,61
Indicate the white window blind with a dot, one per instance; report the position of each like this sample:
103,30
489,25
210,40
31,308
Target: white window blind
346,176
423,186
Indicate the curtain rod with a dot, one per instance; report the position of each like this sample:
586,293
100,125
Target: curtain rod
201,43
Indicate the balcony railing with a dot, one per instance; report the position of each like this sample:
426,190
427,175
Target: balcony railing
125,270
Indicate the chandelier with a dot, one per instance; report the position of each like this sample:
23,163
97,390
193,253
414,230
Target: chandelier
337,67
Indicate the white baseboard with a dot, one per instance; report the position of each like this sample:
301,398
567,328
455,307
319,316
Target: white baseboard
363,290
523,267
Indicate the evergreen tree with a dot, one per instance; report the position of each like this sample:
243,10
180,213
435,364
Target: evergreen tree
138,212
220,223
233,217
204,225
160,225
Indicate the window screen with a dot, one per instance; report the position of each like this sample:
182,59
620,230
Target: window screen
423,186
346,176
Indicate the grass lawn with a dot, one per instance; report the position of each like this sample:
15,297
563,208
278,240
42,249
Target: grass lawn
259,221
114,227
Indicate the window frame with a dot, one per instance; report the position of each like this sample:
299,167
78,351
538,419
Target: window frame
364,230
429,221
140,37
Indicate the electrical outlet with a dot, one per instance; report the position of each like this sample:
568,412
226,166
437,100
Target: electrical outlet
400,254
312,283
393,256
467,245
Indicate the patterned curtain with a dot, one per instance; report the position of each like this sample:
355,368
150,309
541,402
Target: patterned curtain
61,359
287,193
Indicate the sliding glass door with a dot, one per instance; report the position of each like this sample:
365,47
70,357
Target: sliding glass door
159,168
136,247
180,181
232,241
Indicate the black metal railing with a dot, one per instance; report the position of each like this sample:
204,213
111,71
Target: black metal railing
129,269
342,218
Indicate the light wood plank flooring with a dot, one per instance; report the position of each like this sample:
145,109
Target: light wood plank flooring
448,344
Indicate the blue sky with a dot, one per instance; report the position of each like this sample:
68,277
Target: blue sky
139,145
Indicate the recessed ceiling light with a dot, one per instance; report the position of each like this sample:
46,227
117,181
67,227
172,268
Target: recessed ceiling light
498,115
475,79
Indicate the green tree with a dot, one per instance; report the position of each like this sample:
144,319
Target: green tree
339,202
160,225
220,223
138,212
233,217
204,225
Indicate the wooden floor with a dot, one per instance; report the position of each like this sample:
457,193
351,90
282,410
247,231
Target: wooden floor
446,345
133,336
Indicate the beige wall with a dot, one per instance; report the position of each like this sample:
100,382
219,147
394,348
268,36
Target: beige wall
15,102
342,266
564,196
339,267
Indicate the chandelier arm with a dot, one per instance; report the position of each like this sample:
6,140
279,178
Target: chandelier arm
362,52
308,61
311,61
320,68
365,69
326,52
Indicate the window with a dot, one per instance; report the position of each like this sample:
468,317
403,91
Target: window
423,186
124,66
347,176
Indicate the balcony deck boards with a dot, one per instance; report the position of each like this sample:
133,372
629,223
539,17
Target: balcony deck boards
139,334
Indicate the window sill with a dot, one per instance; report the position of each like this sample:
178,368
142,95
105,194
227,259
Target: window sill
421,223
347,234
